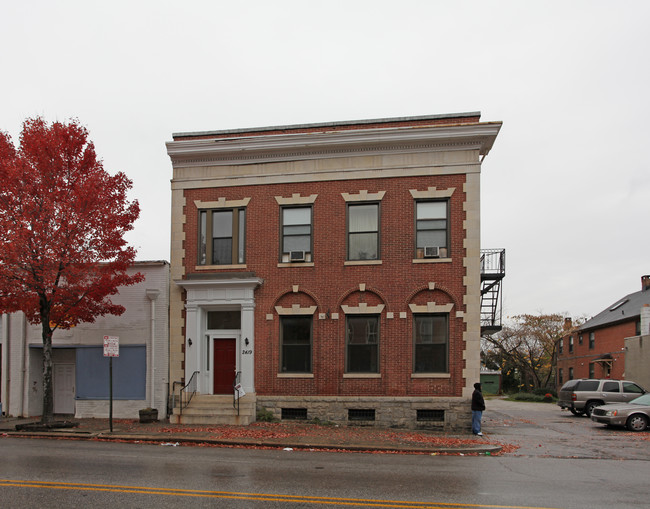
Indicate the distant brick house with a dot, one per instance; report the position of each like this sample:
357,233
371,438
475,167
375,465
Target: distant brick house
333,270
597,349
80,370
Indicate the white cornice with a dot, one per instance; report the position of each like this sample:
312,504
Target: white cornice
303,146
248,282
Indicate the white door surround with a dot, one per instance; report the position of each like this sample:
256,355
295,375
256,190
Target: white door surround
205,295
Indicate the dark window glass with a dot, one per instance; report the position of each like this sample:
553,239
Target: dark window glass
295,336
431,338
362,344
224,320
631,387
611,387
587,385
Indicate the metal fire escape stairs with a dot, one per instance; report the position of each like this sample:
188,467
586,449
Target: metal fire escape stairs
493,270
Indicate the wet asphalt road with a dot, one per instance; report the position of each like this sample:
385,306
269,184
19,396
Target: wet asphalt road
562,462
544,430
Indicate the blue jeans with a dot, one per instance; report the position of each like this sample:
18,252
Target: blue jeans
476,421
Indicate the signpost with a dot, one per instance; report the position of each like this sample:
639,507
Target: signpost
111,349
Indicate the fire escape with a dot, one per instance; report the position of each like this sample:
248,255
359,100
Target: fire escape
493,270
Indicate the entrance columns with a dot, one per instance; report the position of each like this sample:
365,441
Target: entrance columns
247,347
193,345
212,292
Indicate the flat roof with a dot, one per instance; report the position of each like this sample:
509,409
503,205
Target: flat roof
325,125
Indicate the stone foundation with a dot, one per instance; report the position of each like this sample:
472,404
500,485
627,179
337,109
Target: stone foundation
449,414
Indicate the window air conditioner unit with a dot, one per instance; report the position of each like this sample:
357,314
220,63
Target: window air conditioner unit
431,252
296,256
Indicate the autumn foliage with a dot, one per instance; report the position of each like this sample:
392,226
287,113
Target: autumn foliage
525,351
62,225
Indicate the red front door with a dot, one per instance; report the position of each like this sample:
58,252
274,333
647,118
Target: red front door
225,364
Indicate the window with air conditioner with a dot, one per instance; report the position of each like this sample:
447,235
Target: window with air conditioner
296,234
432,229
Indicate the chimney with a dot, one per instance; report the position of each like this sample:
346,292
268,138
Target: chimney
568,323
645,283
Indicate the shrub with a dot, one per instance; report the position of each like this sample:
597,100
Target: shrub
264,415
543,391
535,398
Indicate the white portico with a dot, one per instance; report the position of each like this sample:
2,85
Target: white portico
220,332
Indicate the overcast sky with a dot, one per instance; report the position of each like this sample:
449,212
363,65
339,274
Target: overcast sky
565,189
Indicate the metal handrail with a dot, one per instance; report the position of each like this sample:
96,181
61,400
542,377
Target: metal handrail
189,388
235,391
493,262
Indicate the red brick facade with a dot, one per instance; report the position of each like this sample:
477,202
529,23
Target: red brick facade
586,362
597,348
329,283
391,164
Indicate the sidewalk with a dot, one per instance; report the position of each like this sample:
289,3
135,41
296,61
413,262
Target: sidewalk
303,436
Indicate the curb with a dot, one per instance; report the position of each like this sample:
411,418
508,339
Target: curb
107,436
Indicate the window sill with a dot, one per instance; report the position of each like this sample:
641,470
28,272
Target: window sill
213,267
296,264
361,375
430,375
363,262
295,375
431,260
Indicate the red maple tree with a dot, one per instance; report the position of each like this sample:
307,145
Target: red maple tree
62,225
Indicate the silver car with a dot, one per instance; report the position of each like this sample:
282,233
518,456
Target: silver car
634,415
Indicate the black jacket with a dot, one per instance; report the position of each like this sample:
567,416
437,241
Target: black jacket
478,403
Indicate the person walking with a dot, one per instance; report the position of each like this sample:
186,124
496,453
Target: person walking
478,406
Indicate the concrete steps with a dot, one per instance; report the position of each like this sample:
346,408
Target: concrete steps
216,409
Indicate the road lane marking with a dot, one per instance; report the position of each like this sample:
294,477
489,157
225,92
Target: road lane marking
259,497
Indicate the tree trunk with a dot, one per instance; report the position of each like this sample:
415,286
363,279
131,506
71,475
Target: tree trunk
47,414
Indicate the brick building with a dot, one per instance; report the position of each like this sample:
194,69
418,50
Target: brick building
597,348
332,270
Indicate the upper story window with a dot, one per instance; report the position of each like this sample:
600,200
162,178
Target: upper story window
570,344
592,340
222,236
431,343
363,231
432,229
561,346
296,234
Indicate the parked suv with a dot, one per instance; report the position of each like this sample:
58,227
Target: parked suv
581,396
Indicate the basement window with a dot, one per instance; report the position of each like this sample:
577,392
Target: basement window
426,415
361,414
294,414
